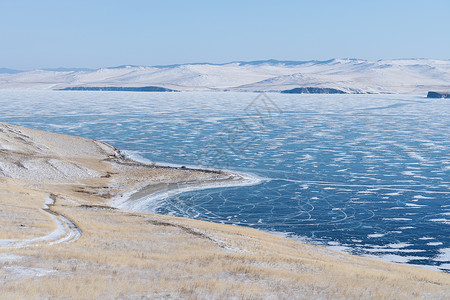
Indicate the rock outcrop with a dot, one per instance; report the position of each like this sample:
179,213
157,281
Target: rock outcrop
313,90
119,89
438,94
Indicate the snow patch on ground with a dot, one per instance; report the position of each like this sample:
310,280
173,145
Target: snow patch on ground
24,272
65,232
7,257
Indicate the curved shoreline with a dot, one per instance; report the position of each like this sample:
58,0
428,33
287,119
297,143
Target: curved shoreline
146,198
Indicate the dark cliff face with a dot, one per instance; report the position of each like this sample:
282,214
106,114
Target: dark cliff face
313,90
120,89
438,95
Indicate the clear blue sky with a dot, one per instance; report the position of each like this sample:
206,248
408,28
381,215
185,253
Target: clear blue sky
63,33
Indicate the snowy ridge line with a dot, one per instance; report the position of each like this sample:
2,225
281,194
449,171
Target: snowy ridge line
417,76
66,231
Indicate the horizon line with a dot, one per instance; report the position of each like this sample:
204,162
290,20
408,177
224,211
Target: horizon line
65,69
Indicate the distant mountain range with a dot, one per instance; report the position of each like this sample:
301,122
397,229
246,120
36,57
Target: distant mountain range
8,71
405,76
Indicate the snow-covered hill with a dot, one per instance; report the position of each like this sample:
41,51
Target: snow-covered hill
414,76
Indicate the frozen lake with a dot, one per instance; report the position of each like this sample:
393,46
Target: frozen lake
364,174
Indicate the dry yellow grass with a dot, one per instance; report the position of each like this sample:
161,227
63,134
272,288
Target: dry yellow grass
127,255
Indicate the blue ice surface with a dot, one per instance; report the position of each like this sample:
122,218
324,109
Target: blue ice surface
364,174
